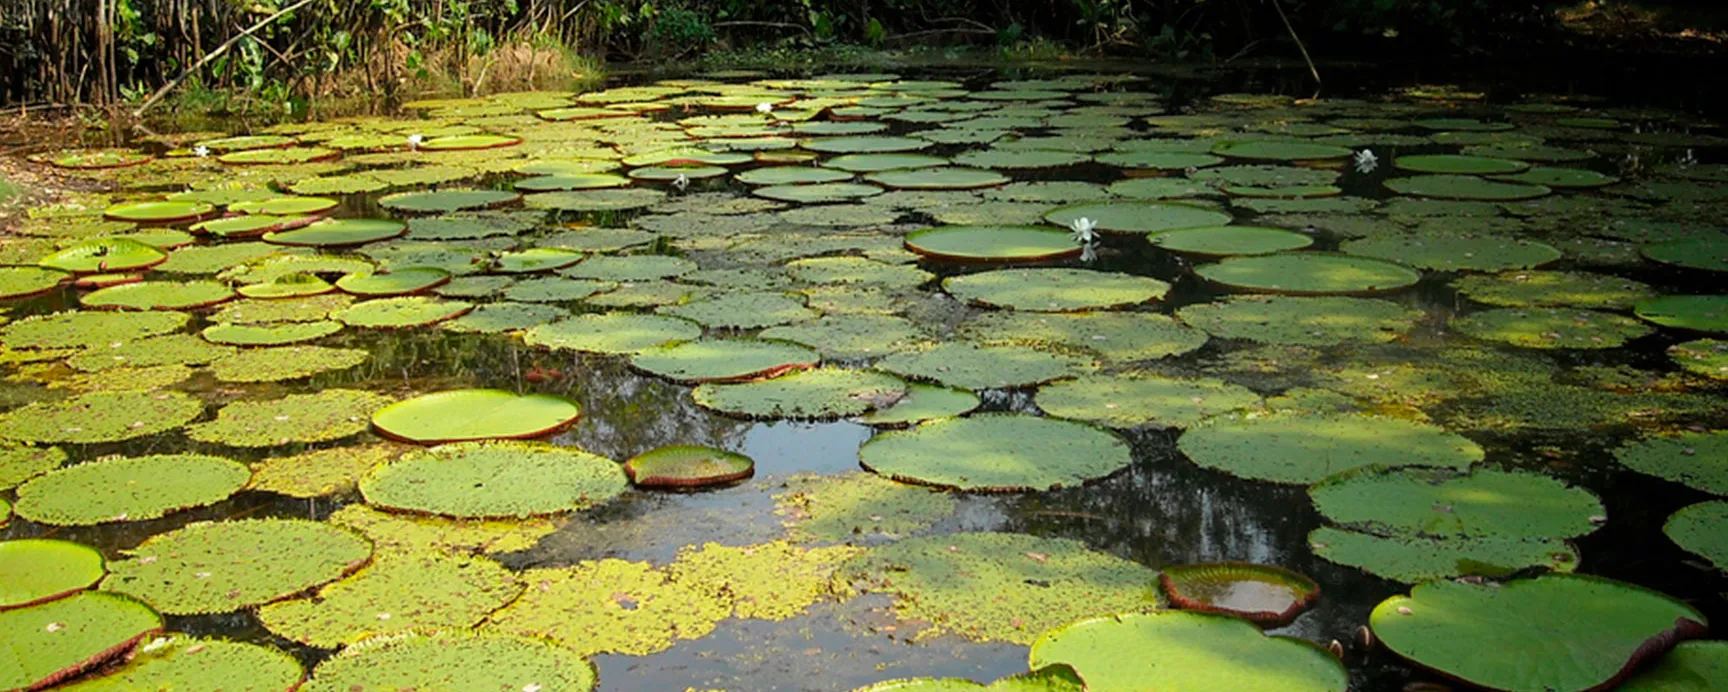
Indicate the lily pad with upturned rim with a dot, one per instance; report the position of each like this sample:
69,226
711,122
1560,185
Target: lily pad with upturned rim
474,414
1138,217
338,233
401,312
57,641
1708,313
129,488
159,295
614,332
394,283
959,364
1265,595
395,594
37,570
221,567
249,225
179,662
997,452
446,201
453,660
20,282
1550,328
1695,459
1187,652
100,417
105,256
1055,290
685,466
164,212
1415,559
1309,274
330,414
1210,242
814,393
724,360
992,243
1696,666
494,479
1134,399
1303,448
1444,503
1466,187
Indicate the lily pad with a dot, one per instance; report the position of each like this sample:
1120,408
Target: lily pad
105,256
1001,586
22,463
169,349
639,611
1443,503
395,594
1138,217
1209,242
863,144
1304,448
1538,625
743,310
57,641
453,661
1709,253
1055,290
1698,666
20,282
939,178
792,175
578,181
614,332
871,163
285,363
445,201
101,159
320,473
182,662
401,313
331,414
816,393
88,329
1187,652
992,243
474,414
1695,313
1459,164
1130,400
996,453
1466,187
724,360
1695,459
494,479
817,193
338,233
285,206
924,402
159,211
1309,274
129,488
1552,327
497,318
34,571
631,268
1280,150
465,142
273,335
996,157
1560,178
159,295
595,200
1699,529
1528,289
857,270
220,567
1414,559
531,260
983,367
855,505
100,417
684,466
412,534
394,283
1455,252
1708,357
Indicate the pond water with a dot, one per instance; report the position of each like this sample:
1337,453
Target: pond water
1481,291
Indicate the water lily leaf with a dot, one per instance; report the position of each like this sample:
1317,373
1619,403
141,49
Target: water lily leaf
274,335
540,259
66,637
1055,290
220,567
938,178
609,606
1560,178
577,181
855,505
614,332
414,534
856,270
466,226
1138,217
453,661
1112,336
1301,273
1695,459
597,239
1446,504
768,581
393,283
983,367
1552,327
285,206
850,336
1528,289
815,393
1709,253
129,488
996,453
1414,559
992,243
338,233
182,662
100,417
1462,164
105,256
1210,242
1544,621
445,201
285,363
474,414
1708,357
792,175
401,313
88,329
1000,586
743,310
331,414
35,571
1304,448
89,160
169,349
1130,400
22,463
20,282
1465,187
1696,313
159,295
1002,157
496,318
1448,252
1690,667
817,193
465,142
247,142
276,312
871,163
863,144
685,466
1280,150
159,211
595,200
723,360
395,594
631,268
921,403
1187,652
1262,594
494,479
320,473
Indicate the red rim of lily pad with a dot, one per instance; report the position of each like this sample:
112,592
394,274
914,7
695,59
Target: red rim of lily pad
677,467
96,660
105,280
1301,591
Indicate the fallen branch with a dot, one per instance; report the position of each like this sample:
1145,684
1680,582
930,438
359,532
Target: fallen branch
212,55
1279,5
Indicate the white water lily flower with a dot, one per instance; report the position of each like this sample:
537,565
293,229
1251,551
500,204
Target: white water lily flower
414,141
681,182
1088,252
201,150
1366,161
1083,230
764,108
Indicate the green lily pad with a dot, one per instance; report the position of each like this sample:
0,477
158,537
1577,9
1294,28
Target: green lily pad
1694,313
466,226
996,453
924,402
1303,448
395,594
1130,400
57,641
1449,252
1020,158
35,571
159,295
105,256
246,142
983,367
220,567
22,463
1138,217
872,163
1528,289
1187,652
411,534
466,142
1552,327
454,661
1467,187
863,144
474,414
1158,160
638,612
273,335
445,201
401,313
856,270
613,332
1053,678
338,233
170,349
159,212
684,466
331,414
1209,242
101,159
938,178
1695,459
315,308
1055,290
1443,504
100,417
285,206
393,283
850,336
285,363
1698,529
1112,336
539,259
1560,178
1262,594
1459,164
631,268
129,488
1709,253
792,175
181,662
817,193
743,310
321,472
1708,357
1280,150
494,479
595,200
1308,274
575,181
724,360
497,318
815,393
20,282
1698,666
992,243
844,507
1538,625
1000,586
1414,559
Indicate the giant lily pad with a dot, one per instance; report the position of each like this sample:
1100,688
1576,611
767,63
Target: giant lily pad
180,662
638,611
395,283
1699,529
401,312
445,201
1552,327
818,192
19,282
1413,559
1059,677
100,417
1450,252
1709,253
1280,150
1536,627
594,200
285,206
1467,187
1129,400
863,144
724,360
1307,447
321,472
273,335
1208,242
474,414
56,641
129,488
1138,217
285,363
992,243
395,594
1695,459
1695,313
1000,586
1707,357
105,256
22,463
1699,666
399,533
494,479
686,466
850,505
338,233
1055,290
631,268
159,295
87,329
454,661
170,349
1553,289
984,367
159,212
940,178
331,414
817,393
1261,594
1459,164
996,453
743,310
614,332
220,567
924,402
1300,273
1443,503
1187,652
34,571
